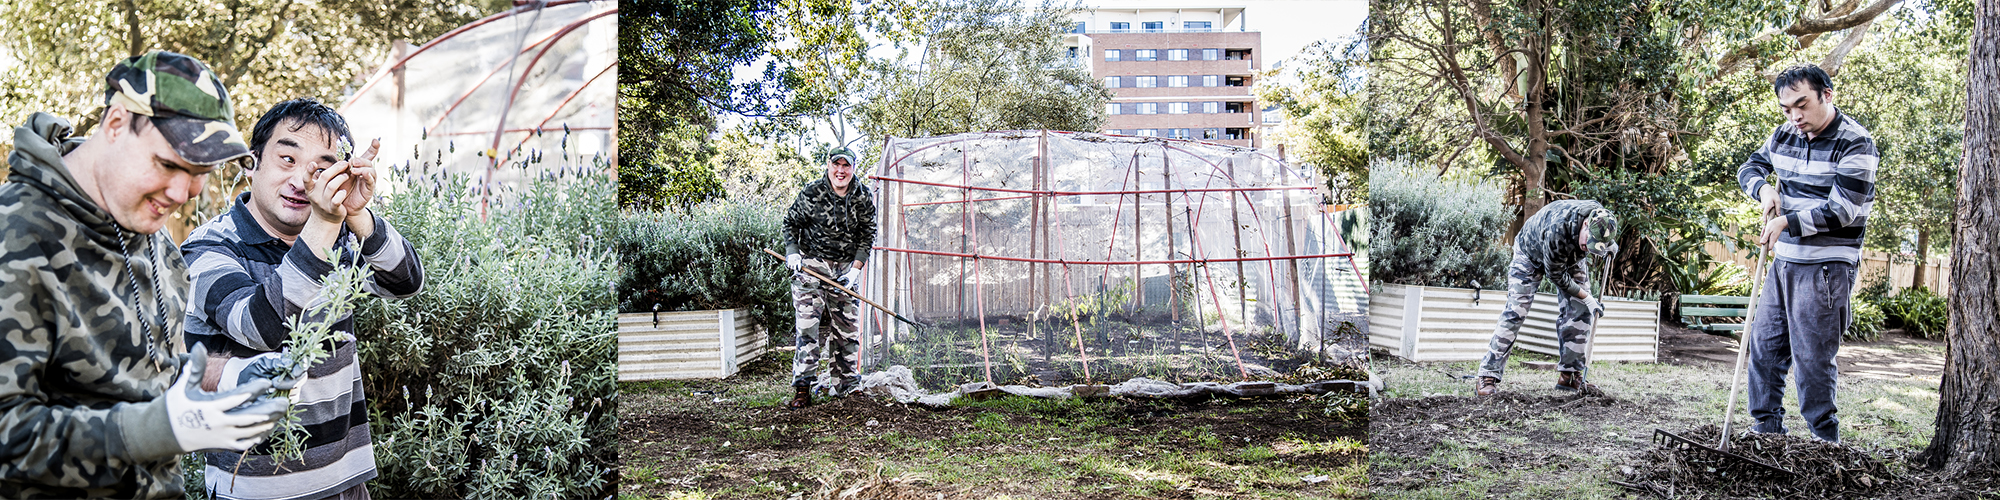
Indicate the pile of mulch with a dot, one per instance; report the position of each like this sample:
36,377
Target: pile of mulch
1819,470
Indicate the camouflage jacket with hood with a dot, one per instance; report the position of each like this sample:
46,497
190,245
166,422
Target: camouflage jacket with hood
90,314
1550,239
830,227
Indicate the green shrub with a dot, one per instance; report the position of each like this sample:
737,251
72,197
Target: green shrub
498,379
1434,232
711,257
1921,312
1867,324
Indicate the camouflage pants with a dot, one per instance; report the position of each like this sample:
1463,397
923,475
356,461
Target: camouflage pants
826,322
1573,318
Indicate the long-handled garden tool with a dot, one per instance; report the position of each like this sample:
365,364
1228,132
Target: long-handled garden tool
836,284
1590,339
1749,339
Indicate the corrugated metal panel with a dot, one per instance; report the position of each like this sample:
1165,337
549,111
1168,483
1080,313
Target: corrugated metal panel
1453,328
685,345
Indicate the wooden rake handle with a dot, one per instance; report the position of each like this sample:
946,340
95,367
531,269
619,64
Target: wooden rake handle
842,288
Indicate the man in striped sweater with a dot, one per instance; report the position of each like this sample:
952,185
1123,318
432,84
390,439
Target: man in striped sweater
1815,181
265,261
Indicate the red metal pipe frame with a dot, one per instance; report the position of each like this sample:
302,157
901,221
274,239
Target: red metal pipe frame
543,125
1209,277
405,60
493,151
978,282
1050,192
1106,262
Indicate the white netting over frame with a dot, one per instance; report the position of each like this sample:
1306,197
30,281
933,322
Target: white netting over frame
1056,257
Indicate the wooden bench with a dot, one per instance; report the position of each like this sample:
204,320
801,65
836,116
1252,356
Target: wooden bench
1697,309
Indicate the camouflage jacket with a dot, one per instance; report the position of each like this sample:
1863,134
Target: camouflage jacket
1550,239
830,227
88,340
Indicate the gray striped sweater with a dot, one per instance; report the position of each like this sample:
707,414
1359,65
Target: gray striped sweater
246,283
1826,186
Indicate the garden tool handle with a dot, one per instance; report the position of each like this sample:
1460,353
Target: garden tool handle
1743,346
836,284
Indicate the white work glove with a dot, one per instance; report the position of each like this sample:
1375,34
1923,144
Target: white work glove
203,420
853,277
1596,307
792,262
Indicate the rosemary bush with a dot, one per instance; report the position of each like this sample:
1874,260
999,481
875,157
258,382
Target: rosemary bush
499,379
709,257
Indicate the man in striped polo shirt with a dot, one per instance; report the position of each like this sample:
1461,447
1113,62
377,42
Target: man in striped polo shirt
1815,180
265,261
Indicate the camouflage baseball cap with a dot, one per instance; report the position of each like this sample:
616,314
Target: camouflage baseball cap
1600,233
186,101
840,154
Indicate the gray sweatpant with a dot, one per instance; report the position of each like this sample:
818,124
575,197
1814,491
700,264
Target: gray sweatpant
1800,316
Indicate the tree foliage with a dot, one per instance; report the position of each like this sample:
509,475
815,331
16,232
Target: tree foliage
1325,116
1650,107
265,51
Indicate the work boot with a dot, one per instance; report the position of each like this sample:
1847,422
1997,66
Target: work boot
1486,386
1573,382
846,387
801,397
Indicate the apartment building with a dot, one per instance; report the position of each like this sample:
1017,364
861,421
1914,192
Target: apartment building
1182,73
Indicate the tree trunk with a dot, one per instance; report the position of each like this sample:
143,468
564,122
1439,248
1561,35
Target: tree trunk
1923,258
1968,417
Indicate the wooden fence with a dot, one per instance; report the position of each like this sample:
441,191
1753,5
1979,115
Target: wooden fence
1421,323
1937,272
685,345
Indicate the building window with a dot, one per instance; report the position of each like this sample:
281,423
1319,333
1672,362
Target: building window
1148,132
1236,107
1148,82
1111,82
1110,54
1196,25
1121,27
1149,108
1211,107
1072,53
1236,54
1209,134
1177,81
1154,26
1076,28
1236,81
1111,108
1211,54
1177,54
1210,80
1236,134
1177,108
1180,133
1146,55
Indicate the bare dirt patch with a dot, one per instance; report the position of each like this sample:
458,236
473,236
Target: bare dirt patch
733,439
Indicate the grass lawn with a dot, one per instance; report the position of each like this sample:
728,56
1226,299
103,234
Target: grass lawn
733,438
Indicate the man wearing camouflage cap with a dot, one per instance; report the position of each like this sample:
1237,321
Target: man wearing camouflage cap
98,395
1553,243
829,230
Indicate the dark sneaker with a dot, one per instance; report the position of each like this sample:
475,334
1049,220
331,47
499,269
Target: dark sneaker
1573,382
1486,386
801,398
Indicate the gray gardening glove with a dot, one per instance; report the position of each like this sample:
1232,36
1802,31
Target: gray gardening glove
203,420
1596,307
792,262
281,370
853,277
